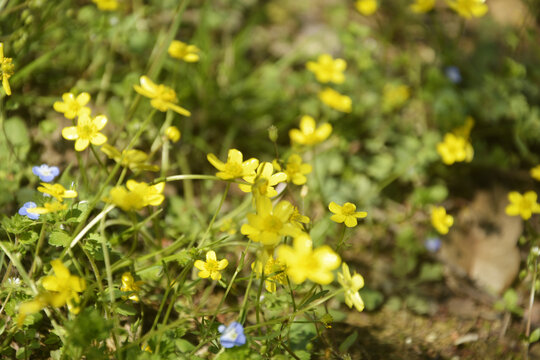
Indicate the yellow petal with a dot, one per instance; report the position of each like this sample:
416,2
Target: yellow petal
70,133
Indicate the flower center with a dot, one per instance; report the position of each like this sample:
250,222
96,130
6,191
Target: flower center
348,209
272,223
86,131
234,169
212,265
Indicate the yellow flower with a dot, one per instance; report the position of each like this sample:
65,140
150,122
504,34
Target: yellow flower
455,149
183,51
296,170
346,214
73,105
327,69
48,208
57,191
535,172
173,133
274,272
394,96
468,8
235,167
86,132
6,69
303,262
30,307
309,134
162,97
263,181
134,159
106,5
422,6
297,219
130,285
63,287
524,205
270,224
351,284
366,7
137,195
211,267
440,220
335,100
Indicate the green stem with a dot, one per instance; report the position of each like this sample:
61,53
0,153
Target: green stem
205,236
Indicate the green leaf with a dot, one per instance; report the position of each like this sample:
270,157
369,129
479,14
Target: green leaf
535,336
431,272
125,309
59,238
313,298
346,344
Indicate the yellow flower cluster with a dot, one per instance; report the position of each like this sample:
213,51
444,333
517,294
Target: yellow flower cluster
328,69
86,131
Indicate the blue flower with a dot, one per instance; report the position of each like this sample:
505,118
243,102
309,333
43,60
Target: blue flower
453,74
232,335
46,173
24,210
432,244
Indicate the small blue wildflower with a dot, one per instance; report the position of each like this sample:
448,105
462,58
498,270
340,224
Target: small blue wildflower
232,335
453,74
24,210
432,244
46,173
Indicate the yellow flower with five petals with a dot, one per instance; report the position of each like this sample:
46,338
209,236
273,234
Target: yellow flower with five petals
309,133
73,106
346,214
57,191
235,167
351,285
524,205
305,263
162,97
440,220
137,195
270,223
296,170
211,267
6,69
263,181
328,69
86,132
455,149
